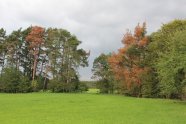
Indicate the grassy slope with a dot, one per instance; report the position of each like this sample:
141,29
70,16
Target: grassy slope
48,108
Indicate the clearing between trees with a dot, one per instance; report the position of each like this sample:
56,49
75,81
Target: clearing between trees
88,108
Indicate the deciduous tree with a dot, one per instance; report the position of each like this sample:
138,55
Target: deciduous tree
127,64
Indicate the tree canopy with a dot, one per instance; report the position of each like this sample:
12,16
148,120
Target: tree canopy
42,56
153,65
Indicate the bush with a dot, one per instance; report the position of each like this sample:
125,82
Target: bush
83,87
57,85
184,94
34,85
13,81
24,85
105,86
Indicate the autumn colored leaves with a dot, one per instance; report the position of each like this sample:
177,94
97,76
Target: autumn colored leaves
35,39
127,64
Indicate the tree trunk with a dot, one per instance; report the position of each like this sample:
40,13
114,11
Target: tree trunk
35,64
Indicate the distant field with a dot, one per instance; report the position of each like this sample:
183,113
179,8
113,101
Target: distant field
88,108
93,91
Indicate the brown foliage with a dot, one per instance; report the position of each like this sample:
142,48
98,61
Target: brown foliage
126,66
35,39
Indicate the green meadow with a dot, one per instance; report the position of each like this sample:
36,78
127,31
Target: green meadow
88,108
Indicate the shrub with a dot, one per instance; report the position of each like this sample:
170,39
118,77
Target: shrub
34,85
13,81
57,85
24,85
83,87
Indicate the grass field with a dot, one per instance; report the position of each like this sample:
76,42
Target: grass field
88,108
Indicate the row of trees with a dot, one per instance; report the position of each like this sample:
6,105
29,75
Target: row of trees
147,65
37,58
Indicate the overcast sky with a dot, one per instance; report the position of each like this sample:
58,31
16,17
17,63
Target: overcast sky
99,24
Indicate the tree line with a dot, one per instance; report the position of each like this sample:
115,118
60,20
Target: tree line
146,65
37,58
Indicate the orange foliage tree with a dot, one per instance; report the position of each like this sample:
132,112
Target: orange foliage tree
127,64
35,39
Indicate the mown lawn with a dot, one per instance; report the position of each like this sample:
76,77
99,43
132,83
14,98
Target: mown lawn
56,108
